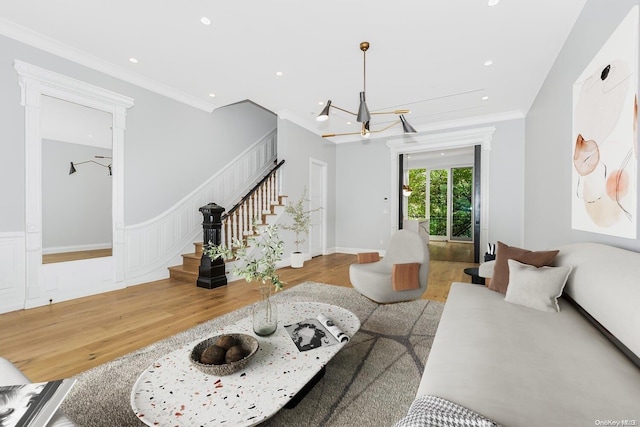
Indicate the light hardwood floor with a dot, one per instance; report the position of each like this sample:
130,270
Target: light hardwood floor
74,256
63,339
451,251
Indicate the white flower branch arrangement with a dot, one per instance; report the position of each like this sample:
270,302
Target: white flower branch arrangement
252,265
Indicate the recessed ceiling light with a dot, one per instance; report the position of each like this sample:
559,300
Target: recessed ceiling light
484,98
493,2
212,95
348,123
488,62
133,60
279,73
320,103
205,20
442,154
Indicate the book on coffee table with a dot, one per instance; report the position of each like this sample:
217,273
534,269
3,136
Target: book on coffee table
315,332
32,404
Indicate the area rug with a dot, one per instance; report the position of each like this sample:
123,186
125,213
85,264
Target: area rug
371,381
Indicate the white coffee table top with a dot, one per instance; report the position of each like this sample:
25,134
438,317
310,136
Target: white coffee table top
173,392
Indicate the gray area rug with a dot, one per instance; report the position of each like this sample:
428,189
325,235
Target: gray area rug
370,382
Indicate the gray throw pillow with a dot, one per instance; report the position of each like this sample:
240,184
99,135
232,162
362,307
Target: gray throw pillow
534,287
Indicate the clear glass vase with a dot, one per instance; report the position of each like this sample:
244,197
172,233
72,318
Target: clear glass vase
265,312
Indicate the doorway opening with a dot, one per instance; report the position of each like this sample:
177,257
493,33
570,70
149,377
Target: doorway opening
476,143
442,201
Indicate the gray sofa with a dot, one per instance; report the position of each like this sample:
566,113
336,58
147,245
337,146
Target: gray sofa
523,367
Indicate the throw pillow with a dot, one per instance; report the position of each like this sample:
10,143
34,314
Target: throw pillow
500,279
536,287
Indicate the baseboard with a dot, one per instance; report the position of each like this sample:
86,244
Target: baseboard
75,248
354,251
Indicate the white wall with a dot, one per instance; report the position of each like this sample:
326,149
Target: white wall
506,183
170,147
12,190
76,209
296,146
363,190
549,145
363,195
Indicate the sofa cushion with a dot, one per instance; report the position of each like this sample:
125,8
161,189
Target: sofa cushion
536,287
523,367
605,282
500,280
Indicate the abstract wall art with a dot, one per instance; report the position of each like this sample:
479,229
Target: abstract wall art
604,141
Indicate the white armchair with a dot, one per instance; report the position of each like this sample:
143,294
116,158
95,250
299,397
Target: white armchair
400,276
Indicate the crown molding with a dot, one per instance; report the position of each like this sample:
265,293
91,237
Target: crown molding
399,137
443,140
40,41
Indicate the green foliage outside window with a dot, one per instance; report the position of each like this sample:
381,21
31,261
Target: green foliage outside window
462,182
438,202
461,227
417,182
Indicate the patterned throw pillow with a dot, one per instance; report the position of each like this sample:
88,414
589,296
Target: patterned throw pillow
433,411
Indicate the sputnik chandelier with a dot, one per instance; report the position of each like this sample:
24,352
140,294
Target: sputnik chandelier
364,116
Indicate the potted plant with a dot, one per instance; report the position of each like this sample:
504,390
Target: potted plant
256,259
301,221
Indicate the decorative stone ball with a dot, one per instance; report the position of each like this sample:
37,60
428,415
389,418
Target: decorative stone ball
226,342
213,355
234,354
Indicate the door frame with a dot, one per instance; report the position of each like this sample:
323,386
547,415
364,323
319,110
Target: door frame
441,141
313,163
36,82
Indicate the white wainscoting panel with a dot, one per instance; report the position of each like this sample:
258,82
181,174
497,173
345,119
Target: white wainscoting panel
63,281
12,272
153,246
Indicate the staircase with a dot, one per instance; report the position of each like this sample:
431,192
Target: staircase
263,202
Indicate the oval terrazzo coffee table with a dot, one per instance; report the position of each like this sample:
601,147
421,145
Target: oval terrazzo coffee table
173,392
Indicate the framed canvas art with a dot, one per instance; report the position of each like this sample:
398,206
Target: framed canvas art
604,141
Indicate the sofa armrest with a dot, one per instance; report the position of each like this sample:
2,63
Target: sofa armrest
486,269
367,257
404,277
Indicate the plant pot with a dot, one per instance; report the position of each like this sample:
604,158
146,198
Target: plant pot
265,312
297,260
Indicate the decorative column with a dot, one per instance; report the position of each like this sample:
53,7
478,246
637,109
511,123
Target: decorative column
211,272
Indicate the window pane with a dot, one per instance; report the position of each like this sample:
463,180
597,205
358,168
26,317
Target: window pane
438,202
417,199
462,213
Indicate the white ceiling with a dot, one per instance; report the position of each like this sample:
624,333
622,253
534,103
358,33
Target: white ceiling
427,56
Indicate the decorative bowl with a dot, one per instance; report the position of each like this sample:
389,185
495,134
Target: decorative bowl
248,343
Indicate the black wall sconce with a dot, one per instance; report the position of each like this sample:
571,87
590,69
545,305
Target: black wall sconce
73,170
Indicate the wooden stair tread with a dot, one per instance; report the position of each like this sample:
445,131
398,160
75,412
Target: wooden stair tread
178,272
